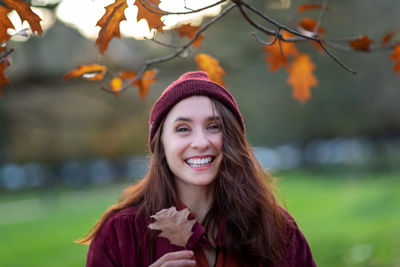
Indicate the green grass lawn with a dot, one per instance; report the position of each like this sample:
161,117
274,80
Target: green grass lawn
348,221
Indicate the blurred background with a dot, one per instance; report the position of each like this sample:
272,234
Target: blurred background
67,148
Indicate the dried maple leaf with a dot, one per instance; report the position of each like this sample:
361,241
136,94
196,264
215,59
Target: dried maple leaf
396,57
25,13
127,75
142,84
5,23
190,31
89,72
307,7
277,58
211,66
301,77
307,26
361,43
109,24
3,79
174,224
147,10
386,39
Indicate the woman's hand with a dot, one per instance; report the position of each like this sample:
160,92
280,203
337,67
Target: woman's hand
176,259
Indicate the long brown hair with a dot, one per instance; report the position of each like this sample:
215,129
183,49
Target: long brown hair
255,223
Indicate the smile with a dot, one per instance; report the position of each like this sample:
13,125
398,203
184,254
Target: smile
199,162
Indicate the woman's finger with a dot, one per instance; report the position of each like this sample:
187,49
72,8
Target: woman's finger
184,256
180,263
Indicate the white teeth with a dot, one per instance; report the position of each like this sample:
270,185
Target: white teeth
196,162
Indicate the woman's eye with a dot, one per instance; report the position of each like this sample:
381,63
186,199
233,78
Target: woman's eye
182,129
213,126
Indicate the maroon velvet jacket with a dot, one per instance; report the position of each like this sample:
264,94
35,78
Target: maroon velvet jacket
123,243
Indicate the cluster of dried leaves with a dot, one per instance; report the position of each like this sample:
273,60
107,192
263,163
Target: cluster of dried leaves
26,14
281,48
109,24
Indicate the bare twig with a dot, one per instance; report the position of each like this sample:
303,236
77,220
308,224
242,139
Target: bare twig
178,52
372,48
253,23
336,59
161,43
321,14
5,53
162,12
264,42
186,7
268,19
280,47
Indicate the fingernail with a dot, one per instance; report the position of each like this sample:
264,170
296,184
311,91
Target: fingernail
192,263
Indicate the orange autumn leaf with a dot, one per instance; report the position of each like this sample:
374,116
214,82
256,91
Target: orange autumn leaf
25,13
89,72
301,77
3,79
277,58
127,75
307,7
396,57
386,39
190,31
109,24
307,26
116,85
5,23
211,66
144,83
174,225
150,13
361,43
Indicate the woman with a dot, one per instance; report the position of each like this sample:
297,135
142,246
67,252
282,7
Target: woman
201,160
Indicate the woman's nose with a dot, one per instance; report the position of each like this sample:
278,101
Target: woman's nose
200,140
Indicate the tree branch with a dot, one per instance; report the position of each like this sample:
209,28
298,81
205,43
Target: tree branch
303,37
243,8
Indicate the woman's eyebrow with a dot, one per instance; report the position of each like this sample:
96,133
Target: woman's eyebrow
211,118
214,118
182,119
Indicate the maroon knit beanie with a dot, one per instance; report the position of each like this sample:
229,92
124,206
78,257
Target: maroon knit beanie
189,84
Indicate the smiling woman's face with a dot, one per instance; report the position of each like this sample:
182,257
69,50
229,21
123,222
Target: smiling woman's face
192,140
